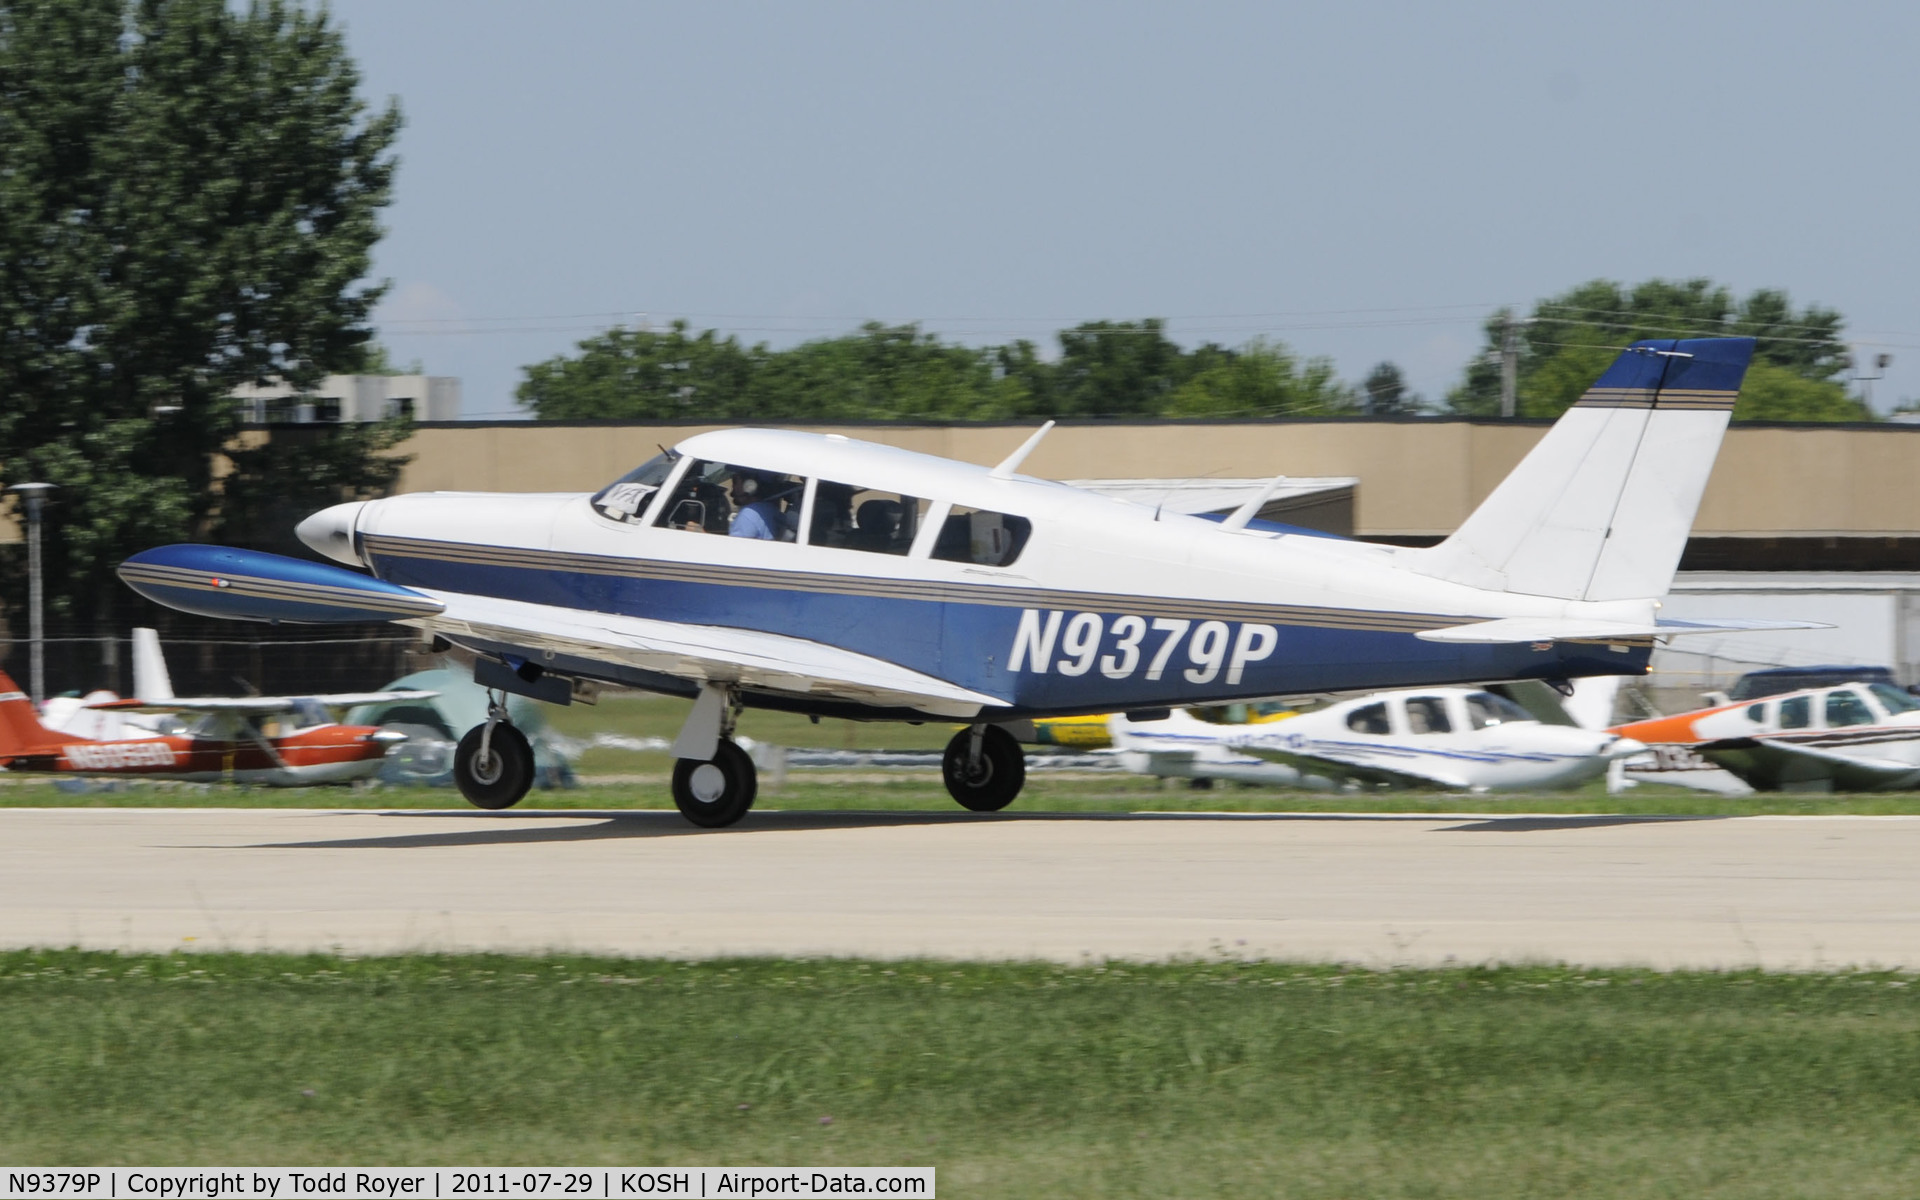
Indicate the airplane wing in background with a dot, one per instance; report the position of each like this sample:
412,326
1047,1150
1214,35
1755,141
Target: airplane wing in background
1774,762
1334,764
258,704
699,653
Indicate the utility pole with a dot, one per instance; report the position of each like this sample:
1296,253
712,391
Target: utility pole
33,496
1880,364
1509,364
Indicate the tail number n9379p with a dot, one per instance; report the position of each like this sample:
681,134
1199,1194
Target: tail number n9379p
1086,643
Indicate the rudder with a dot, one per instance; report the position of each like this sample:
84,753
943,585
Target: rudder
20,727
1601,508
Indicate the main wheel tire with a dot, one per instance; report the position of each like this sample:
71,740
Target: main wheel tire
504,777
718,792
990,784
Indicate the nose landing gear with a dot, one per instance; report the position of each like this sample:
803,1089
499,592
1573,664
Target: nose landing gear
493,765
714,783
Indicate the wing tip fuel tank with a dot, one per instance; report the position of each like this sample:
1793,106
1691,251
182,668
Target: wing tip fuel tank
251,585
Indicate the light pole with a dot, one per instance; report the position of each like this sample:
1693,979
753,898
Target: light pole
33,496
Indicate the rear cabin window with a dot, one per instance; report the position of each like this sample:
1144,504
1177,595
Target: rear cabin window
629,499
735,501
1370,719
847,516
1428,714
1796,713
975,535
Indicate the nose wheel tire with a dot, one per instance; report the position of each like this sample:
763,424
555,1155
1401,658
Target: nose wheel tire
989,781
718,792
503,777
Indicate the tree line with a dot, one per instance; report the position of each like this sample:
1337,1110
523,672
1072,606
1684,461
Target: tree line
901,372
1134,369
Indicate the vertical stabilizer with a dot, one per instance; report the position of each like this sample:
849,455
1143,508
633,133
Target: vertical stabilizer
150,680
1600,509
20,727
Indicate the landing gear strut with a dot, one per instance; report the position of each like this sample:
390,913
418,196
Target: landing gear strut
984,768
713,779
493,765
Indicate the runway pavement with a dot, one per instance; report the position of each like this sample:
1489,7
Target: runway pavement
1777,892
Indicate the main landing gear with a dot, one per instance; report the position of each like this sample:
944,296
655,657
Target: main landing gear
493,765
984,768
714,783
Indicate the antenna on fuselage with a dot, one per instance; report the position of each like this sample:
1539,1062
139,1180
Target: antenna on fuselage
1011,462
1239,517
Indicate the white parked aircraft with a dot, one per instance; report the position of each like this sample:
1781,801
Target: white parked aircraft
1462,739
822,575
1858,737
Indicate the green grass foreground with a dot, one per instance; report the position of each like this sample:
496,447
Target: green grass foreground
1195,1079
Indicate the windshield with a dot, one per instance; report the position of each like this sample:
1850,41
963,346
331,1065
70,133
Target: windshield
1892,698
627,498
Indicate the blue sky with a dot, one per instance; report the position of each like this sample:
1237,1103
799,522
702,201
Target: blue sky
1361,181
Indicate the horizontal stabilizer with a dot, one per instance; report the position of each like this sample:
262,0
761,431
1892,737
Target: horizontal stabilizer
1514,630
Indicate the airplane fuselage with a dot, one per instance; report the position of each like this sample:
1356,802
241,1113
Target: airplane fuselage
1110,605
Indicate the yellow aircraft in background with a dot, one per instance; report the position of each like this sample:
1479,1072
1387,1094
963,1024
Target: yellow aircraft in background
1090,733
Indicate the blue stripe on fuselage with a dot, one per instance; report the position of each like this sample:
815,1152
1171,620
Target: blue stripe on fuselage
969,644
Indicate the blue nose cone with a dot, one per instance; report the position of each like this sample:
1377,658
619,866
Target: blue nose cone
248,585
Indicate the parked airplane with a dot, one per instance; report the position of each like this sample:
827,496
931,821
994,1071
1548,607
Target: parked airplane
281,741
870,582
1464,739
1858,737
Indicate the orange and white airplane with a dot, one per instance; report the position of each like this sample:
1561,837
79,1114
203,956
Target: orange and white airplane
1856,737
280,741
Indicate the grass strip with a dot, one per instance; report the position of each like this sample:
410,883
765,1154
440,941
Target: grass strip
1192,1079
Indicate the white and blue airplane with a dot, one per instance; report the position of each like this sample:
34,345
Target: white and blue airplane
1460,739
818,574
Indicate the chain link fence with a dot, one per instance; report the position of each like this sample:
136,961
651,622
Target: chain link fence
277,662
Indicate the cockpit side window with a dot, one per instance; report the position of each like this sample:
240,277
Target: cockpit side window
847,516
1485,709
309,713
975,535
629,499
1845,707
735,501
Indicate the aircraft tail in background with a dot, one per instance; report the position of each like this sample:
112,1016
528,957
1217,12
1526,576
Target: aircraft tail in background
150,679
1600,509
20,729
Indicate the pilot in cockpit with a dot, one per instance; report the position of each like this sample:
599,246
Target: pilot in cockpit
759,508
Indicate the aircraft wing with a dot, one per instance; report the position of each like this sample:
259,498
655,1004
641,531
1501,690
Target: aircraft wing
1332,762
259,704
700,653
1851,773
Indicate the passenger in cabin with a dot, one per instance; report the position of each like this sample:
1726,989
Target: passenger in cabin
876,526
